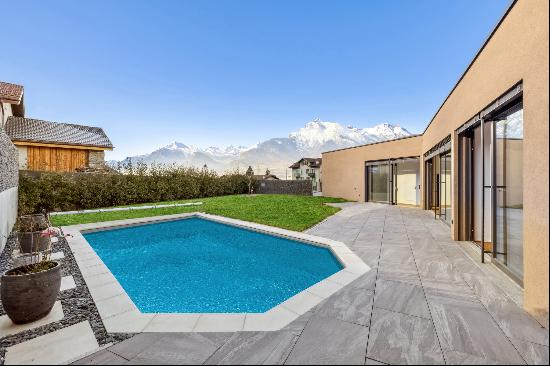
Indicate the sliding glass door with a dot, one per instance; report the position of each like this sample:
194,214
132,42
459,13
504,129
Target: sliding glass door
438,186
491,187
445,187
394,181
378,182
509,189
406,178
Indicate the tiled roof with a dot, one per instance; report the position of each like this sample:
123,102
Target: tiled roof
11,93
311,162
35,130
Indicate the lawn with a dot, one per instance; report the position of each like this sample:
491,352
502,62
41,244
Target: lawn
285,211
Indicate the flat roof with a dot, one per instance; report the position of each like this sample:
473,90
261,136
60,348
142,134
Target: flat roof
372,143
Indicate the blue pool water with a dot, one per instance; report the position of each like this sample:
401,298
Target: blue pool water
201,266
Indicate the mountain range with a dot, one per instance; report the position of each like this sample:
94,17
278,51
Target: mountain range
275,154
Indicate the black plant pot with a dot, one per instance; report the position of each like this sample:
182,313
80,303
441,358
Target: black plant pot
29,297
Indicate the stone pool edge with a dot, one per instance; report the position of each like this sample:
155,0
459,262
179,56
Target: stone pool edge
120,315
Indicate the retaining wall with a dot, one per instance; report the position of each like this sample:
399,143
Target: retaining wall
9,177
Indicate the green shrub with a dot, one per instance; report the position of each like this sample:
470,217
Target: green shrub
52,191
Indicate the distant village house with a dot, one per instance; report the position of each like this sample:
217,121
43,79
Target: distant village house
310,169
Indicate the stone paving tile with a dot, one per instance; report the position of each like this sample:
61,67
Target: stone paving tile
370,242
396,254
514,321
255,348
57,347
104,357
397,338
532,353
181,348
352,304
395,237
401,297
328,341
130,348
466,327
399,272
370,361
369,255
7,327
441,271
461,358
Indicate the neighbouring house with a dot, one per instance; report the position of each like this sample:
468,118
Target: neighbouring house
310,169
54,146
11,101
481,164
49,146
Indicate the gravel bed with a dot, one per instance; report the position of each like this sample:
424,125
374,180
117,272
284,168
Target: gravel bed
77,303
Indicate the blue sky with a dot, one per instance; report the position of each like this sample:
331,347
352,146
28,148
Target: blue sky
238,72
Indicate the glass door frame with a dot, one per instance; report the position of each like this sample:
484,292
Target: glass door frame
491,186
392,177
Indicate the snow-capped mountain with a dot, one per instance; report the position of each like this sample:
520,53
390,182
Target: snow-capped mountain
276,153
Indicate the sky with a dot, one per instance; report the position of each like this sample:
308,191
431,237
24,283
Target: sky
215,73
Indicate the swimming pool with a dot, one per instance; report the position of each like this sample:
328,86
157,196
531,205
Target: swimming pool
196,265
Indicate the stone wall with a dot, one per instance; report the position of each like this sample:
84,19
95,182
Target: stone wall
96,159
299,187
9,177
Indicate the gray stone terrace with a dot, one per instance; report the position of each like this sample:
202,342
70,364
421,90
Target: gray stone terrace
425,301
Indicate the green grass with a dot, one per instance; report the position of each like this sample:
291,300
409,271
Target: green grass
285,211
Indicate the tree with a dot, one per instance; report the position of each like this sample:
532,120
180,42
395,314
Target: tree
250,175
267,172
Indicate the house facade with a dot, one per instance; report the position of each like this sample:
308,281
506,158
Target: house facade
481,164
308,169
11,101
49,146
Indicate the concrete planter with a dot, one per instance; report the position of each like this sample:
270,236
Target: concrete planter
33,242
29,297
30,238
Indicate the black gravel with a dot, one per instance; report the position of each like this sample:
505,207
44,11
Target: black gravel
77,303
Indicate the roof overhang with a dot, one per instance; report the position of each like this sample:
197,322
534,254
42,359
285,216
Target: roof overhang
62,146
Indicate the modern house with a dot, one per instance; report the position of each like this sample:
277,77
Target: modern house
308,168
49,146
481,164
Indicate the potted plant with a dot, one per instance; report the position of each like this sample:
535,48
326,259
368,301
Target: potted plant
29,292
29,229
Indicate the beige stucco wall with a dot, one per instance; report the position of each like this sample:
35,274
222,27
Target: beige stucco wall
344,170
518,51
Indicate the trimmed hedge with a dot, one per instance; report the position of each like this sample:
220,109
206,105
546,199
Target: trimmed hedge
78,191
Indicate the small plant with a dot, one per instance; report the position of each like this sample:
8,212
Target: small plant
34,233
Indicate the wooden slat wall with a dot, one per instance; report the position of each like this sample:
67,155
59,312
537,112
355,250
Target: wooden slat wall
56,159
